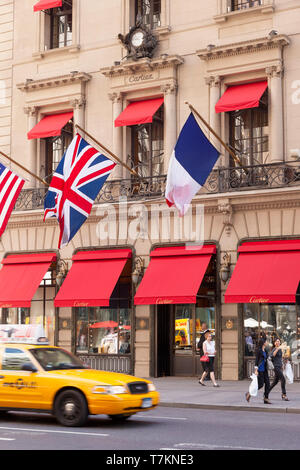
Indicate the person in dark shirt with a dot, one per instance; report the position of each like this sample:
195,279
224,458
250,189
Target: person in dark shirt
261,370
276,356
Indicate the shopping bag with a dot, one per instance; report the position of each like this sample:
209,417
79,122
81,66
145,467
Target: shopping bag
204,358
270,363
253,388
288,372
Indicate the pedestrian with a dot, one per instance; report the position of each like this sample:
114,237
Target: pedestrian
209,350
277,358
261,370
200,347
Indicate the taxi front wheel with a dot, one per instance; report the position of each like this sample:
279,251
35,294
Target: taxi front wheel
70,408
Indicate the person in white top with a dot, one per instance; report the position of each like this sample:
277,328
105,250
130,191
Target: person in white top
210,351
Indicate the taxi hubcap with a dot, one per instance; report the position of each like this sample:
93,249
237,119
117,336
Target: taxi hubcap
70,408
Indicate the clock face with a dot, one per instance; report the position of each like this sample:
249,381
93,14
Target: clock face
137,38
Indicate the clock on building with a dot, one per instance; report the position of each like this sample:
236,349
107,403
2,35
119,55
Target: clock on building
139,42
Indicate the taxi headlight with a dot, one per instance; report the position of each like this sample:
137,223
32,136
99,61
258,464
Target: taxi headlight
151,388
109,389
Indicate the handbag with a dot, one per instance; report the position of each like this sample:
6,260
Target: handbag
204,358
270,363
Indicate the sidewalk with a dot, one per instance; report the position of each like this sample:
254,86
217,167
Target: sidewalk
185,392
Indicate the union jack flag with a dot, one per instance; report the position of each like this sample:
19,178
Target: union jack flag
74,187
10,187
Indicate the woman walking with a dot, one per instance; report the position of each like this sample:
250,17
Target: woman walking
261,370
276,356
210,351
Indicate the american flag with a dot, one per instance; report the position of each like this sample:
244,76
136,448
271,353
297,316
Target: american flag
10,187
74,187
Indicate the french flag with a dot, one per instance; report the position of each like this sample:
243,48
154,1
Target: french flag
191,163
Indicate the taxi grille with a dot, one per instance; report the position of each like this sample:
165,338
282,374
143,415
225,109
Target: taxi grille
138,387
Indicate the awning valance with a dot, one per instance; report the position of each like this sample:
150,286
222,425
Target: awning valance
20,277
174,275
266,272
139,112
46,4
50,126
92,278
241,97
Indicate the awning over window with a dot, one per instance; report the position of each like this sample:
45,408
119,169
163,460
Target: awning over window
46,4
139,112
20,277
92,278
174,275
241,97
266,272
50,126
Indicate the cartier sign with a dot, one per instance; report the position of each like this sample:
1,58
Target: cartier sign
258,300
142,77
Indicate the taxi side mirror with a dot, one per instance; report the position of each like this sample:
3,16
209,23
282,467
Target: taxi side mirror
29,367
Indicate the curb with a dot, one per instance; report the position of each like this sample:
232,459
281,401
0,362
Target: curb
229,407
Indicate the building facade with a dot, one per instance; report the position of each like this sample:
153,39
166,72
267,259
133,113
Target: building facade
101,66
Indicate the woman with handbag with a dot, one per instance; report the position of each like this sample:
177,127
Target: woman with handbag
277,358
261,370
209,352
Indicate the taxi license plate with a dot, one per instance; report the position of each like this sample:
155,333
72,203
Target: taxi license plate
147,403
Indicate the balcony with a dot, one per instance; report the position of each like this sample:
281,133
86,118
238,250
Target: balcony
221,180
230,8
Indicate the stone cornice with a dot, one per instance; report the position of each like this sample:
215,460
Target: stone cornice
243,47
142,66
62,80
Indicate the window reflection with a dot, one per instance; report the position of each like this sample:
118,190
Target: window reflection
271,322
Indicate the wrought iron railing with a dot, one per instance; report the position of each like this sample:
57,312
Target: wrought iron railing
221,180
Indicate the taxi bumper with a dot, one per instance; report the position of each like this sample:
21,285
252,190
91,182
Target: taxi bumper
121,404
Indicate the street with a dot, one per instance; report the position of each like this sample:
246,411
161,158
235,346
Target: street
165,429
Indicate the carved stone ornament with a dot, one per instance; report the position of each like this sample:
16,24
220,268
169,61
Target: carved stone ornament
140,42
225,208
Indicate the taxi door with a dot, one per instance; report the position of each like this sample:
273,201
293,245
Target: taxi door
18,388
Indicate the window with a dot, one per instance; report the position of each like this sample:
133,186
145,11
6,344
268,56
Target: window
249,134
59,25
106,330
149,11
55,147
14,359
272,321
242,4
148,146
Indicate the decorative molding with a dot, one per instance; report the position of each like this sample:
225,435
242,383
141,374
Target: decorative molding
31,110
115,97
262,9
142,65
225,208
78,103
169,88
275,71
33,85
213,81
244,47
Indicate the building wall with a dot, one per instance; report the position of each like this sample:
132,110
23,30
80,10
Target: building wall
80,77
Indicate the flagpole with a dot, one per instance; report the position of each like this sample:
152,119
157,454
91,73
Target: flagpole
108,151
236,159
23,168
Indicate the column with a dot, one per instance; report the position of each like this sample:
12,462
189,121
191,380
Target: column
117,134
215,118
31,112
170,121
78,106
274,74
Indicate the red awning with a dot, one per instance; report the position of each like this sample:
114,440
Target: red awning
241,97
92,278
20,277
139,112
174,275
266,272
50,126
45,4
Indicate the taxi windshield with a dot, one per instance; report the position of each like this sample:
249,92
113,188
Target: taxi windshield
56,359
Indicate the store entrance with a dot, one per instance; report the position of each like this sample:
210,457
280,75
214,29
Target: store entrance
178,330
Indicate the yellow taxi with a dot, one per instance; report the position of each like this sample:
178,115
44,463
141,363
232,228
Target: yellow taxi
37,377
